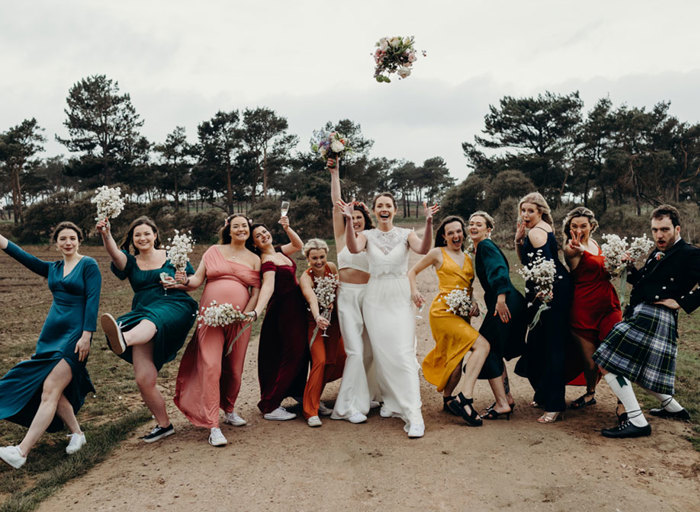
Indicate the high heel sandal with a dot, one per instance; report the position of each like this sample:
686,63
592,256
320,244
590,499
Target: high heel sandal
581,401
458,407
550,417
493,414
446,400
511,405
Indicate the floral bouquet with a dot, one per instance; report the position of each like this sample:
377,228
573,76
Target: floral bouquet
324,289
109,203
329,144
394,55
221,315
540,273
617,253
459,302
180,247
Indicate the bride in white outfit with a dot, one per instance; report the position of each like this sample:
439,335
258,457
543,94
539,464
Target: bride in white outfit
387,307
358,386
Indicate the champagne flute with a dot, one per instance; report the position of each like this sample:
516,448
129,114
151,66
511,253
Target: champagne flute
327,315
285,208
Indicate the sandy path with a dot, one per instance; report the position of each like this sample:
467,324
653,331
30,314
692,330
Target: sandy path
516,465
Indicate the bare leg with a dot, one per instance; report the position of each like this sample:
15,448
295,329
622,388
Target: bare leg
52,391
453,380
65,412
146,375
480,350
499,393
590,372
141,334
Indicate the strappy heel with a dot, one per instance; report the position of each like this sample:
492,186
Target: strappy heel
458,407
493,414
445,401
581,401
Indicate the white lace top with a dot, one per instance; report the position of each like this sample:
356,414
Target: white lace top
358,261
387,252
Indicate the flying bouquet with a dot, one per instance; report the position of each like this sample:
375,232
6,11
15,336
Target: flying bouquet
109,203
221,315
394,55
540,273
329,144
459,302
618,253
324,289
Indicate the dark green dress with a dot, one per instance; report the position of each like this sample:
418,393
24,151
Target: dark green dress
173,313
506,340
76,298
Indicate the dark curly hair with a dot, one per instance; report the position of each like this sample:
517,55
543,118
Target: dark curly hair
225,231
440,232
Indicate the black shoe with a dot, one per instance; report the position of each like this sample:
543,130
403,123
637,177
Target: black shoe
159,432
626,429
581,401
681,415
445,401
493,414
458,407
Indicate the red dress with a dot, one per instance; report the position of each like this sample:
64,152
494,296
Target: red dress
327,357
595,308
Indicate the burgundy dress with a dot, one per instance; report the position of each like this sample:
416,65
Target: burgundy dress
595,308
283,357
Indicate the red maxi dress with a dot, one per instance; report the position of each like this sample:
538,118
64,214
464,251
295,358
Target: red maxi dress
595,307
208,380
327,357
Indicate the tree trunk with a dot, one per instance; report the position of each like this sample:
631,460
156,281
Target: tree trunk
264,172
229,190
16,195
177,197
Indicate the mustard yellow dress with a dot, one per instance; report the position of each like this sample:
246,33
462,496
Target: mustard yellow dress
452,334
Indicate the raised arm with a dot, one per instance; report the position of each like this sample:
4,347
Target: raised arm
118,257
295,243
33,263
432,258
354,243
424,245
338,224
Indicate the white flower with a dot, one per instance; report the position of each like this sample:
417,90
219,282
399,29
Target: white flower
337,146
459,302
539,275
640,247
324,288
219,315
614,249
109,203
181,245
395,42
403,71
383,44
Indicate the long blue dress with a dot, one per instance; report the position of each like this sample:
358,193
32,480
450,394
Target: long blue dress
173,313
76,298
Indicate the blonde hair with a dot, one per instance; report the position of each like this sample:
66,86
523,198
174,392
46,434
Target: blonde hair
579,211
538,200
315,243
489,220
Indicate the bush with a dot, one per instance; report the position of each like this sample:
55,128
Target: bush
41,218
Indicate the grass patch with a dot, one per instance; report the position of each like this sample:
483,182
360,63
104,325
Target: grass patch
56,468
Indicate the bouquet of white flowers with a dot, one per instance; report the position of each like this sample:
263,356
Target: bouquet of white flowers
394,55
639,248
329,144
221,315
459,302
109,203
181,245
324,289
540,273
618,254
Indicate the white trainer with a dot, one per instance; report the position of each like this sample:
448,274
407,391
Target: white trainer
323,409
12,456
231,418
216,438
77,441
314,421
384,412
280,414
416,430
357,417
373,404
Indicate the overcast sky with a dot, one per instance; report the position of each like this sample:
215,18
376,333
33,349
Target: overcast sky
310,61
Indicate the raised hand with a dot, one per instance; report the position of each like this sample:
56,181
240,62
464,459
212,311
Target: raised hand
575,242
520,232
284,222
333,163
429,211
103,227
345,208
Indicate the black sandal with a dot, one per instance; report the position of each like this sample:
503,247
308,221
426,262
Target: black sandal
458,407
581,402
493,414
445,401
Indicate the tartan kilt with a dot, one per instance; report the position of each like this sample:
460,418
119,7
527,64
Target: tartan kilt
643,348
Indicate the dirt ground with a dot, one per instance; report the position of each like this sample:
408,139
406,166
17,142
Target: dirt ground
504,465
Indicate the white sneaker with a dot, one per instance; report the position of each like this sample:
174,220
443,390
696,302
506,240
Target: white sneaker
323,409
373,404
416,430
77,441
216,438
231,418
384,412
12,456
113,333
357,417
314,421
280,414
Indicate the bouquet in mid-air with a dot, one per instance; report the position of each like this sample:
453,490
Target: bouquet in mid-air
329,144
394,55
109,203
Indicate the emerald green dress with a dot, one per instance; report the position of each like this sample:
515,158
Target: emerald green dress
173,313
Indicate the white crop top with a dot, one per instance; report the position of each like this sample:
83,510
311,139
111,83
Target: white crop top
358,261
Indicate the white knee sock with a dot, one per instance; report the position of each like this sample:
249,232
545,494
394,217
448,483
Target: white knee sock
667,402
623,389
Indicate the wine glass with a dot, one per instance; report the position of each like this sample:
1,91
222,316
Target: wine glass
164,278
419,312
327,315
285,208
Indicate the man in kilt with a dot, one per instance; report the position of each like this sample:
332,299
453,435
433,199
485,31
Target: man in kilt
643,347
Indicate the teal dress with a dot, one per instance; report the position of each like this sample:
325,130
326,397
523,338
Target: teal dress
173,313
76,298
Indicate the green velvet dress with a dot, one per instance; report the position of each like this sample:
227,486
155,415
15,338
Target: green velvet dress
173,313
